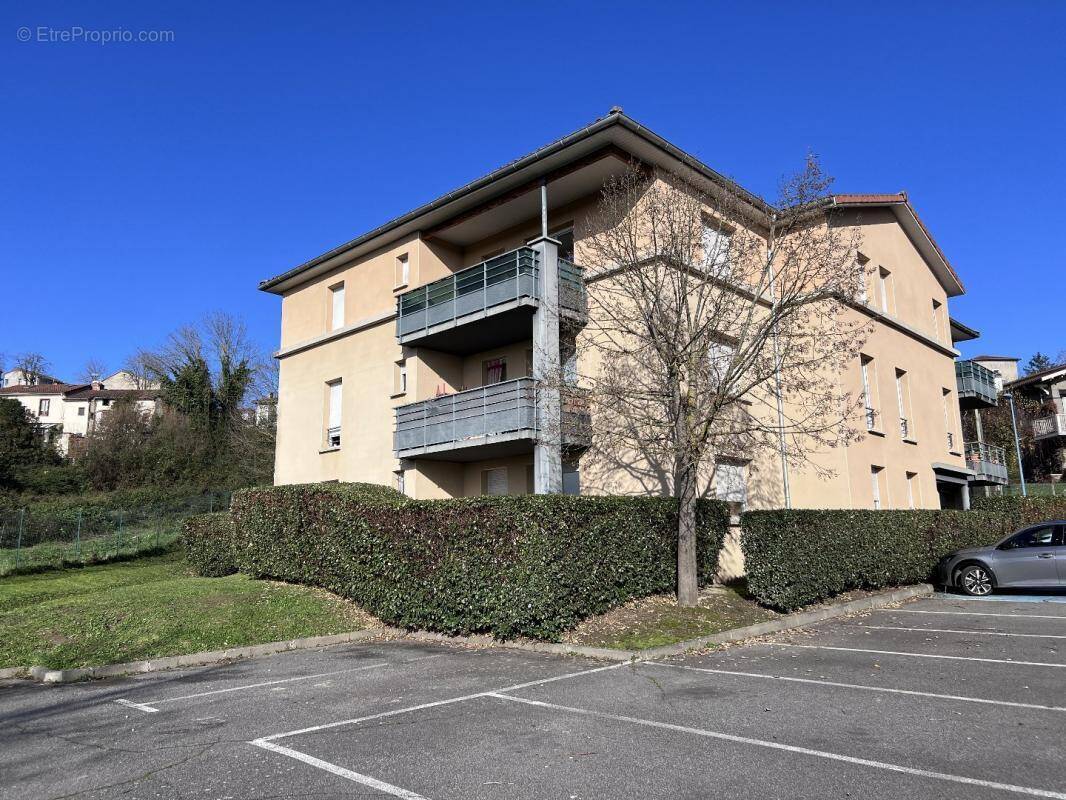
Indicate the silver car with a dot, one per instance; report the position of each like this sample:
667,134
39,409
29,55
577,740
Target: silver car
1034,557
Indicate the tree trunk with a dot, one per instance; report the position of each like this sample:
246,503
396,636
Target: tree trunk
687,577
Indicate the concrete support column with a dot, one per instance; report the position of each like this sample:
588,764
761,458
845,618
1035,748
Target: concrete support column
965,489
548,451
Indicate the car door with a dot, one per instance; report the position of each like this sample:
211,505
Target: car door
1060,555
1029,558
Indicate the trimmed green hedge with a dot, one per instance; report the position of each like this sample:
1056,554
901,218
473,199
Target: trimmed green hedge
209,544
511,566
794,558
1028,509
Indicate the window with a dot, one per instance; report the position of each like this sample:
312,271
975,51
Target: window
720,357
400,482
337,299
494,481
399,384
936,320
106,403
494,371
913,490
949,420
43,407
906,426
403,270
716,241
1044,536
333,424
565,238
81,411
730,483
884,281
863,294
875,485
866,365
571,478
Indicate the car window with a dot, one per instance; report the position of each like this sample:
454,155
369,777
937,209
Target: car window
1037,537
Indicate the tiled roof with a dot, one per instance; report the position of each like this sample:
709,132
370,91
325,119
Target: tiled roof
41,388
88,393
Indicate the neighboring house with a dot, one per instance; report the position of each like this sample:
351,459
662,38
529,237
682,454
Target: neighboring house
1004,367
980,381
18,377
70,411
1049,429
407,353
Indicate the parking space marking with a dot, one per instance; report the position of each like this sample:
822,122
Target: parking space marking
1060,617
357,777
977,633
1010,598
863,762
920,655
148,705
433,704
139,706
858,686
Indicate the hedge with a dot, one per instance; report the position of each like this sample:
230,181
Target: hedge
798,557
1028,509
529,566
209,544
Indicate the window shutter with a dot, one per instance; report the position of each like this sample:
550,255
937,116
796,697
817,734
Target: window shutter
338,307
335,405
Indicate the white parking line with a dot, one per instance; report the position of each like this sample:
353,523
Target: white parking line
949,630
1061,618
858,686
920,655
864,762
434,704
148,705
357,777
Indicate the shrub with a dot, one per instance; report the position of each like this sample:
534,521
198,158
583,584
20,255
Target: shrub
209,544
798,557
1027,509
513,566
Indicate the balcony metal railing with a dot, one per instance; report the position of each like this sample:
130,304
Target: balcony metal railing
975,382
1045,427
988,461
904,428
498,280
474,290
499,408
871,419
951,442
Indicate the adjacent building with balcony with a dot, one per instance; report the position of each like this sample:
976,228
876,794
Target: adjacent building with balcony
1048,387
978,389
430,352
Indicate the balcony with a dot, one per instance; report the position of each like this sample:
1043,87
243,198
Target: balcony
488,305
976,385
1048,427
988,462
487,422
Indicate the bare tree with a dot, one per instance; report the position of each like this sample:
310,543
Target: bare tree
139,367
93,370
717,326
32,366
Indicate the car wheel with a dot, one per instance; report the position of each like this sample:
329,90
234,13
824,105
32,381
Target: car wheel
975,580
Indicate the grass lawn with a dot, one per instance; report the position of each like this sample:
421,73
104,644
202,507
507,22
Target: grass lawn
154,607
657,621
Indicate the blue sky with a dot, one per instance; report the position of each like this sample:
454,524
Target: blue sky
145,184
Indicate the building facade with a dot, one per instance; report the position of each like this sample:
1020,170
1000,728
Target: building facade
415,355
68,412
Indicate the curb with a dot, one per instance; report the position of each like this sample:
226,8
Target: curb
801,620
793,621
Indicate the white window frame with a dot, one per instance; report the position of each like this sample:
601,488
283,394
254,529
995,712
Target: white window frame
715,242
336,314
883,277
403,269
334,413
865,362
875,478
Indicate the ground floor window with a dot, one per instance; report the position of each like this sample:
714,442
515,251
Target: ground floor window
494,481
571,479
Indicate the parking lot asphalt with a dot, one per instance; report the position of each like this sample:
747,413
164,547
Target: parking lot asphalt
944,697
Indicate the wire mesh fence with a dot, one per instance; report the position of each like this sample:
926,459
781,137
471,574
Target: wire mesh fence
35,539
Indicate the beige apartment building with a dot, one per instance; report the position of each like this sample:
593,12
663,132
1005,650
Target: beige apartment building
415,354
